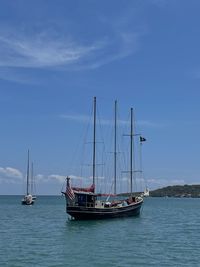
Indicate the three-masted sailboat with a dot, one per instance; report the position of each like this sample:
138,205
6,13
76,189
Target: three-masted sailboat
86,204
29,199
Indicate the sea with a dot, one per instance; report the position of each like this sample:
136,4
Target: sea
167,233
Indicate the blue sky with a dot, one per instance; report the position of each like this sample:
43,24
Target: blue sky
55,56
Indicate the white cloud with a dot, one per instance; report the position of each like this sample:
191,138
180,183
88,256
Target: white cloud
75,177
40,178
19,49
57,178
52,178
40,51
10,175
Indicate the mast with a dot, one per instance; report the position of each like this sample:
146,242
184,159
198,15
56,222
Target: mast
141,173
115,149
94,142
142,139
27,177
31,177
131,152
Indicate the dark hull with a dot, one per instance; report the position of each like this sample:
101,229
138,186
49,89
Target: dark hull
84,213
27,203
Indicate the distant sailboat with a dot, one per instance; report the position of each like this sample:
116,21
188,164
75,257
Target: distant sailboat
85,204
28,198
146,193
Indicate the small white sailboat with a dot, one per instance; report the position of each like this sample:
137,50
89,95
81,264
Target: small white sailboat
146,192
28,199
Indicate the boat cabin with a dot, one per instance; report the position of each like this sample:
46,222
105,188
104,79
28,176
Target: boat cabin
83,199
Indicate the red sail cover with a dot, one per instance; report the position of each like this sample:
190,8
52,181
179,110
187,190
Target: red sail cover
85,189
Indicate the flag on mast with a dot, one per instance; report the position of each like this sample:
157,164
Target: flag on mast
142,139
69,190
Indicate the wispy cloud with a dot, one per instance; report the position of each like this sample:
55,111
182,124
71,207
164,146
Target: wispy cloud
41,51
10,175
85,119
56,178
15,176
61,180
120,46
40,178
48,50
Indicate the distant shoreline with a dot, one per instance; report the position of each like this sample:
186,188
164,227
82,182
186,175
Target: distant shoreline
180,191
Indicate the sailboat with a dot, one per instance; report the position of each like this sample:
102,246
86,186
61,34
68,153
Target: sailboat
28,199
86,204
146,192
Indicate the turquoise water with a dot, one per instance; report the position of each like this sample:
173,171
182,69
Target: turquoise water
167,233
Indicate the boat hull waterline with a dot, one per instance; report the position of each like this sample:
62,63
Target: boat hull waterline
28,200
90,213
25,203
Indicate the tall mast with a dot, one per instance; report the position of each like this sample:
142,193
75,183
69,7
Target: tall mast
115,149
131,152
94,142
27,177
31,177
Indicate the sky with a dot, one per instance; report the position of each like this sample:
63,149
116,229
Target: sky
55,56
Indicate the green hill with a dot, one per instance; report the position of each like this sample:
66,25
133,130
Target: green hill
177,191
